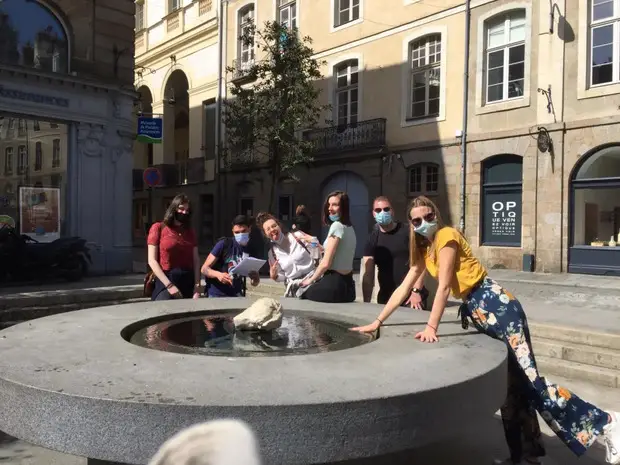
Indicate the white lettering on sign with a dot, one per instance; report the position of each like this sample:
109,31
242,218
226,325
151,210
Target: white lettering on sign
504,219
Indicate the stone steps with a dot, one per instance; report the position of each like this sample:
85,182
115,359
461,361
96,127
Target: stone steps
572,370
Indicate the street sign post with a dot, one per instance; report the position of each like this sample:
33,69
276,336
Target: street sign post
152,177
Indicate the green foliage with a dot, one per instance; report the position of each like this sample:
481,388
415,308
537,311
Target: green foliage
275,99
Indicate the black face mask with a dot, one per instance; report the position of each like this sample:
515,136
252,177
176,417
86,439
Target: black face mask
183,218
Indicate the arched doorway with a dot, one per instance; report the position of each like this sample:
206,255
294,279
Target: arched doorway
356,188
176,109
595,212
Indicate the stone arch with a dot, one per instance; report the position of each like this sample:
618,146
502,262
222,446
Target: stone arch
178,69
355,186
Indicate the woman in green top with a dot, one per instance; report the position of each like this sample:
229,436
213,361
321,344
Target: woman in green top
333,278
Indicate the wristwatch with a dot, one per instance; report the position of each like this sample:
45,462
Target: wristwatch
416,290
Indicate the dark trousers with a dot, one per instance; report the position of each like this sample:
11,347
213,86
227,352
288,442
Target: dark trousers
182,279
333,287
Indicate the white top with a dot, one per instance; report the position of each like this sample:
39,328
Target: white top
294,264
345,251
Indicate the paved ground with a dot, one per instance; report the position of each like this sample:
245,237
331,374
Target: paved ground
476,448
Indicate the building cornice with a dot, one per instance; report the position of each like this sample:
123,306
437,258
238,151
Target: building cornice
86,84
164,49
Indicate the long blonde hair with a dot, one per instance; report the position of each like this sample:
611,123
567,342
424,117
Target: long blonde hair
419,244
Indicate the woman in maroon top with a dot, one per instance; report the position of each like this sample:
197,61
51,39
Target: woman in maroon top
173,253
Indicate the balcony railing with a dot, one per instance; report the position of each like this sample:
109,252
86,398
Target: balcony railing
369,134
241,69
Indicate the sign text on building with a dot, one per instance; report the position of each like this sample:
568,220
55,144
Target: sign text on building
15,94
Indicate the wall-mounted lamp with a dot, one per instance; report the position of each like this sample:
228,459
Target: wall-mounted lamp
547,93
544,141
173,59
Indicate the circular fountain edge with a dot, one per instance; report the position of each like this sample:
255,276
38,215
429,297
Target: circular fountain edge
70,382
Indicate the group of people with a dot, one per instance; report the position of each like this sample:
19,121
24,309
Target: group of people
404,254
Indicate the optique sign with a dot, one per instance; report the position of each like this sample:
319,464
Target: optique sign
502,225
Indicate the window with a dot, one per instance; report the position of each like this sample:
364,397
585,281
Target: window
505,57
139,16
22,159
425,61
285,208
423,179
21,128
53,126
287,13
56,153
502,190
246,50
604,41
346,11
8,161
36,126
347,92
43,47
174,5
38,157
246,206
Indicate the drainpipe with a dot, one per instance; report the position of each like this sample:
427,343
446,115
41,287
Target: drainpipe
218,111
465,115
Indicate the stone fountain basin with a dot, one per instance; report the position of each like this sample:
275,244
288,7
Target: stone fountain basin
71,383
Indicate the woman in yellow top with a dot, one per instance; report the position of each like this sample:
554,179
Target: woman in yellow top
446,255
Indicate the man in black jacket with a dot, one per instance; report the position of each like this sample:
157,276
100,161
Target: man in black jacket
388,249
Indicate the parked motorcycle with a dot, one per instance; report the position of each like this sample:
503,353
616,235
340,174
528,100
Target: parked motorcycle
23,258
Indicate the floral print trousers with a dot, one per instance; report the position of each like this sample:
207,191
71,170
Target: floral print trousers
495,312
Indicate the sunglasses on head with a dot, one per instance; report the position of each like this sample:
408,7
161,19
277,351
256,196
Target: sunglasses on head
416,222
384,209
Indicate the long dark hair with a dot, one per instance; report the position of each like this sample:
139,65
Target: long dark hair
345,217
179,200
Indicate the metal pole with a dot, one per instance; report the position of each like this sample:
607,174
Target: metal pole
149,217
218,114
465,116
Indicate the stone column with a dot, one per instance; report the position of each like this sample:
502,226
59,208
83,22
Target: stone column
104,188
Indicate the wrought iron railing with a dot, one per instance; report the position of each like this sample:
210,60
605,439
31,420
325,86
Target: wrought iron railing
361,135
241,69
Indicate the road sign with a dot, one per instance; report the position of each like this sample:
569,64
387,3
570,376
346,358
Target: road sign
152,177
150,130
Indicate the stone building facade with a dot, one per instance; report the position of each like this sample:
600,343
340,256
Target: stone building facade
67,123
540,156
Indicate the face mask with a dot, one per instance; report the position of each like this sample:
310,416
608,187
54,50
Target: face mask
383,218
426,229
278,240
335,217
182,218
242,238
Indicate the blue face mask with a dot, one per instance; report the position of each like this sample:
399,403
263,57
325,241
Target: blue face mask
242,238
383,218
278,239
335,217
426,229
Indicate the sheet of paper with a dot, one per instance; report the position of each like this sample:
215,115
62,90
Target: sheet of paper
246,266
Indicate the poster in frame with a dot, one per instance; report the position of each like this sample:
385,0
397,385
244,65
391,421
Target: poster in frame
39,212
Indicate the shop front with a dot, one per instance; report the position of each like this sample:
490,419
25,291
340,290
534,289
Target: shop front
595,212
65,163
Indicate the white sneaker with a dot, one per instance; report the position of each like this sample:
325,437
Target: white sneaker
611,439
